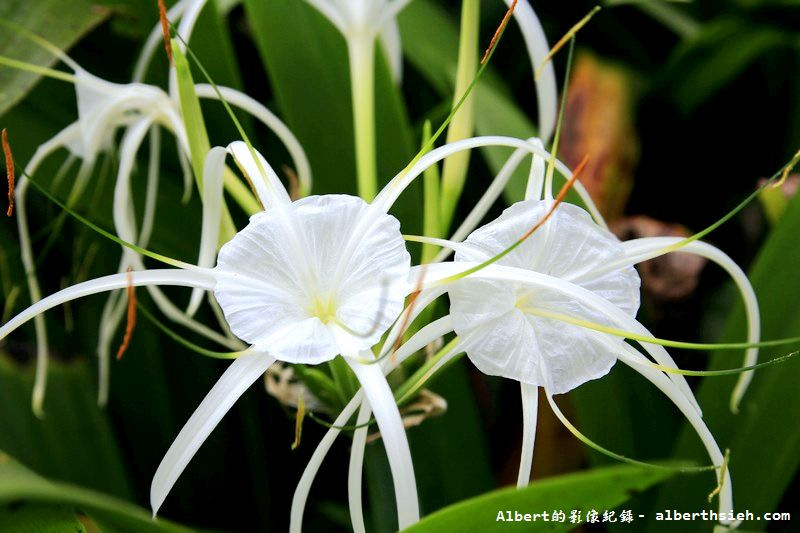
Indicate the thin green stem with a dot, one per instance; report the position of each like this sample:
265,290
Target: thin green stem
654,340
361,50
430,217
36,69
185,342
454,171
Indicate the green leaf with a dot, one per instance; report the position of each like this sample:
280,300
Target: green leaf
74,441
430,42
702,66
39,519
62,22
600,489
764,438
18,484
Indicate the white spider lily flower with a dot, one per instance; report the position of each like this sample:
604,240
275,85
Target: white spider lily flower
569,246
103,108
305,281
512,316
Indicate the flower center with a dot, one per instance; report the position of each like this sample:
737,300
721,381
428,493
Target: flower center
323,308
525,299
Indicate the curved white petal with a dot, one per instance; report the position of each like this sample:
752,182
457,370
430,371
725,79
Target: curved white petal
393,48
276,125
183,278
124,218
212,216
530,406
189,19
233,383
312,467
629,355
154,38
405,177
151,194
271,192
62,139
355,468
647,246
393,435
113,311
331,12
536,43
427,334
314,269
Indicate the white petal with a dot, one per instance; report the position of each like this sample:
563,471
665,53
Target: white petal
402,180
355,468
312,467
536,43
233,383
259,111
427,334
212,217
629,353
393,435
645,247
183,278
392,47
271,192
530,406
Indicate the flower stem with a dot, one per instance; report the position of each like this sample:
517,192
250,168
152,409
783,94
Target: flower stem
454,172
361,50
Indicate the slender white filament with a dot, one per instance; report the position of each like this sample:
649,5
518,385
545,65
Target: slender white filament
355,468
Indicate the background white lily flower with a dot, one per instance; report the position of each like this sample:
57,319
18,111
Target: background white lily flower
104,107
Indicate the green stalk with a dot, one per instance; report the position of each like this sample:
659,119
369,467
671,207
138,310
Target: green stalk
199,144
361,51
430,214
455,168
412,385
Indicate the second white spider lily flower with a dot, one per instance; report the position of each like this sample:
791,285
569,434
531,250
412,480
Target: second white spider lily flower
541,313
